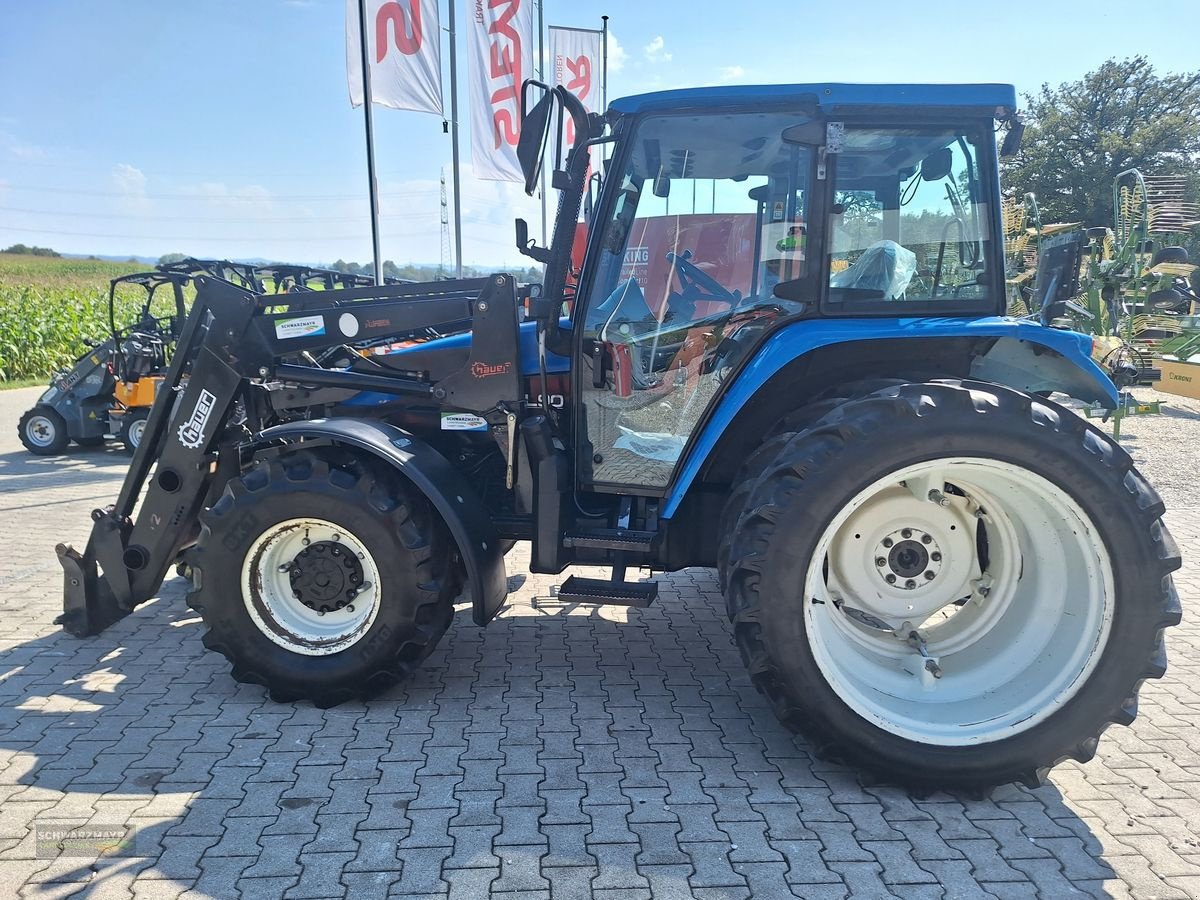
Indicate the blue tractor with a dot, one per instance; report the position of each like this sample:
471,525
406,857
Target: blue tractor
784,355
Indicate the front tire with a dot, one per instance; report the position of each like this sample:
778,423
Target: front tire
326,582
43,431
1030,585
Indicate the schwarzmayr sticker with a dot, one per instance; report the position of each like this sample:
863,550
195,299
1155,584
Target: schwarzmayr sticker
296,328
463,422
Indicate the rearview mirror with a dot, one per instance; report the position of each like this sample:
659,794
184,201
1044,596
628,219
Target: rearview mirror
1012,140
535,133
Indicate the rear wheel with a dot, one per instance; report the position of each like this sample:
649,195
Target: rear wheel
133,426
931,581
322,582
43,431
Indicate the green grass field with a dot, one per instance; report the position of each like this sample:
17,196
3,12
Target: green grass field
49,307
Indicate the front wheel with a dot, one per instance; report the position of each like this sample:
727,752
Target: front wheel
322,579
953,584
43,431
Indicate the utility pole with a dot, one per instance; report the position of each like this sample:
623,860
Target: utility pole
367,118
445,230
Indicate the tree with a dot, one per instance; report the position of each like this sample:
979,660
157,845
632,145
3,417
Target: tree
31,251
1081,135
168,258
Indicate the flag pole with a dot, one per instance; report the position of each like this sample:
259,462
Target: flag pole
458,263
604,65
367,103
542,78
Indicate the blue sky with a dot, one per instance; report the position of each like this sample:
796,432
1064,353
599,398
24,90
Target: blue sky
223,127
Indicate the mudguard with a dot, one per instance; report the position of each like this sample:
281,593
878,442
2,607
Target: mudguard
460,508
1013,360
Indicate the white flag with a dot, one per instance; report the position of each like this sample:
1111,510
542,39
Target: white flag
501,60
576,63
404,41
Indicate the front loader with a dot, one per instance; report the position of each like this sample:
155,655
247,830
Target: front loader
931,567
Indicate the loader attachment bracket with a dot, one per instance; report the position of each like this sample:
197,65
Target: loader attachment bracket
89,605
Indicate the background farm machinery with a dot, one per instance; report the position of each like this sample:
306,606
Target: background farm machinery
1132,286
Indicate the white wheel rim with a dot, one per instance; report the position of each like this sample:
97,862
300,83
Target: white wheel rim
40,431
271,599
1017,651
136,428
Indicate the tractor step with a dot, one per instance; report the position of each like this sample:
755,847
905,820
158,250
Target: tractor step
607,593
612,539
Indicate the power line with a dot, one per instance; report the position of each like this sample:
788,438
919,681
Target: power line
156,173
196,195
178,218
198,238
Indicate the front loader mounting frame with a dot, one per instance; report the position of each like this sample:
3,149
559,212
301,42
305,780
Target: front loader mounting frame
204,425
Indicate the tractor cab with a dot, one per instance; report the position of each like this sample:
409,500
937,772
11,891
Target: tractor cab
727,213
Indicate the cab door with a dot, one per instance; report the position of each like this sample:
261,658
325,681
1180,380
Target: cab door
711,214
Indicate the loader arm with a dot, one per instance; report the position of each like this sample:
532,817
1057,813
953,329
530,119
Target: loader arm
233,343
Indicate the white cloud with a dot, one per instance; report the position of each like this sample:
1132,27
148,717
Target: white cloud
129,180
130,183
246,201
26,151
655,50
732,73
616,54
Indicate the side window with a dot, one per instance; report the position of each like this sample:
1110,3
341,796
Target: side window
909,220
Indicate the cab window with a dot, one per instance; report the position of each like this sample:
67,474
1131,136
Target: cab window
909,222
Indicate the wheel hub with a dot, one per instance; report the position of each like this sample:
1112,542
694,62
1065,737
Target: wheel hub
324,577
908,558
901,556
40,431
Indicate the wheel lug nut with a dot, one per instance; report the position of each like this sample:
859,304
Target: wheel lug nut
880,561
910,584
929,575
891,579
935,556
906,533
926,539
887,542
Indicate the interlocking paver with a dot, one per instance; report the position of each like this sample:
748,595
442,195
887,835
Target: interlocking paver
560,753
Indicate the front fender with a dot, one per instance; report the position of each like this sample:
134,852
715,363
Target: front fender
461,509
1016,358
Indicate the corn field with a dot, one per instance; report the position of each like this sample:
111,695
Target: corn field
50,307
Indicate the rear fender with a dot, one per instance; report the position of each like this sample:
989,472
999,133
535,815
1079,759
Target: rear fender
1019,353
448,492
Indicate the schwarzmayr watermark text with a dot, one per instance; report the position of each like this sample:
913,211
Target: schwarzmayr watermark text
54,839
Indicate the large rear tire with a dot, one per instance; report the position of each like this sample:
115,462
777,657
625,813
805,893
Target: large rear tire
322,582
953,584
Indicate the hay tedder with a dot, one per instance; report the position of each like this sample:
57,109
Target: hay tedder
785,357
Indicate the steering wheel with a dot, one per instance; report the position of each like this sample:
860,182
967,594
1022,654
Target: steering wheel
695,284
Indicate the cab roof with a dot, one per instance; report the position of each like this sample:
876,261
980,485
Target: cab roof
996,99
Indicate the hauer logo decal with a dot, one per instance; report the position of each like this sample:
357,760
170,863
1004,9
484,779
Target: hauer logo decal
483,370
191,432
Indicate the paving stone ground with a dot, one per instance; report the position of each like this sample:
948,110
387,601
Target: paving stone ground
560,753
